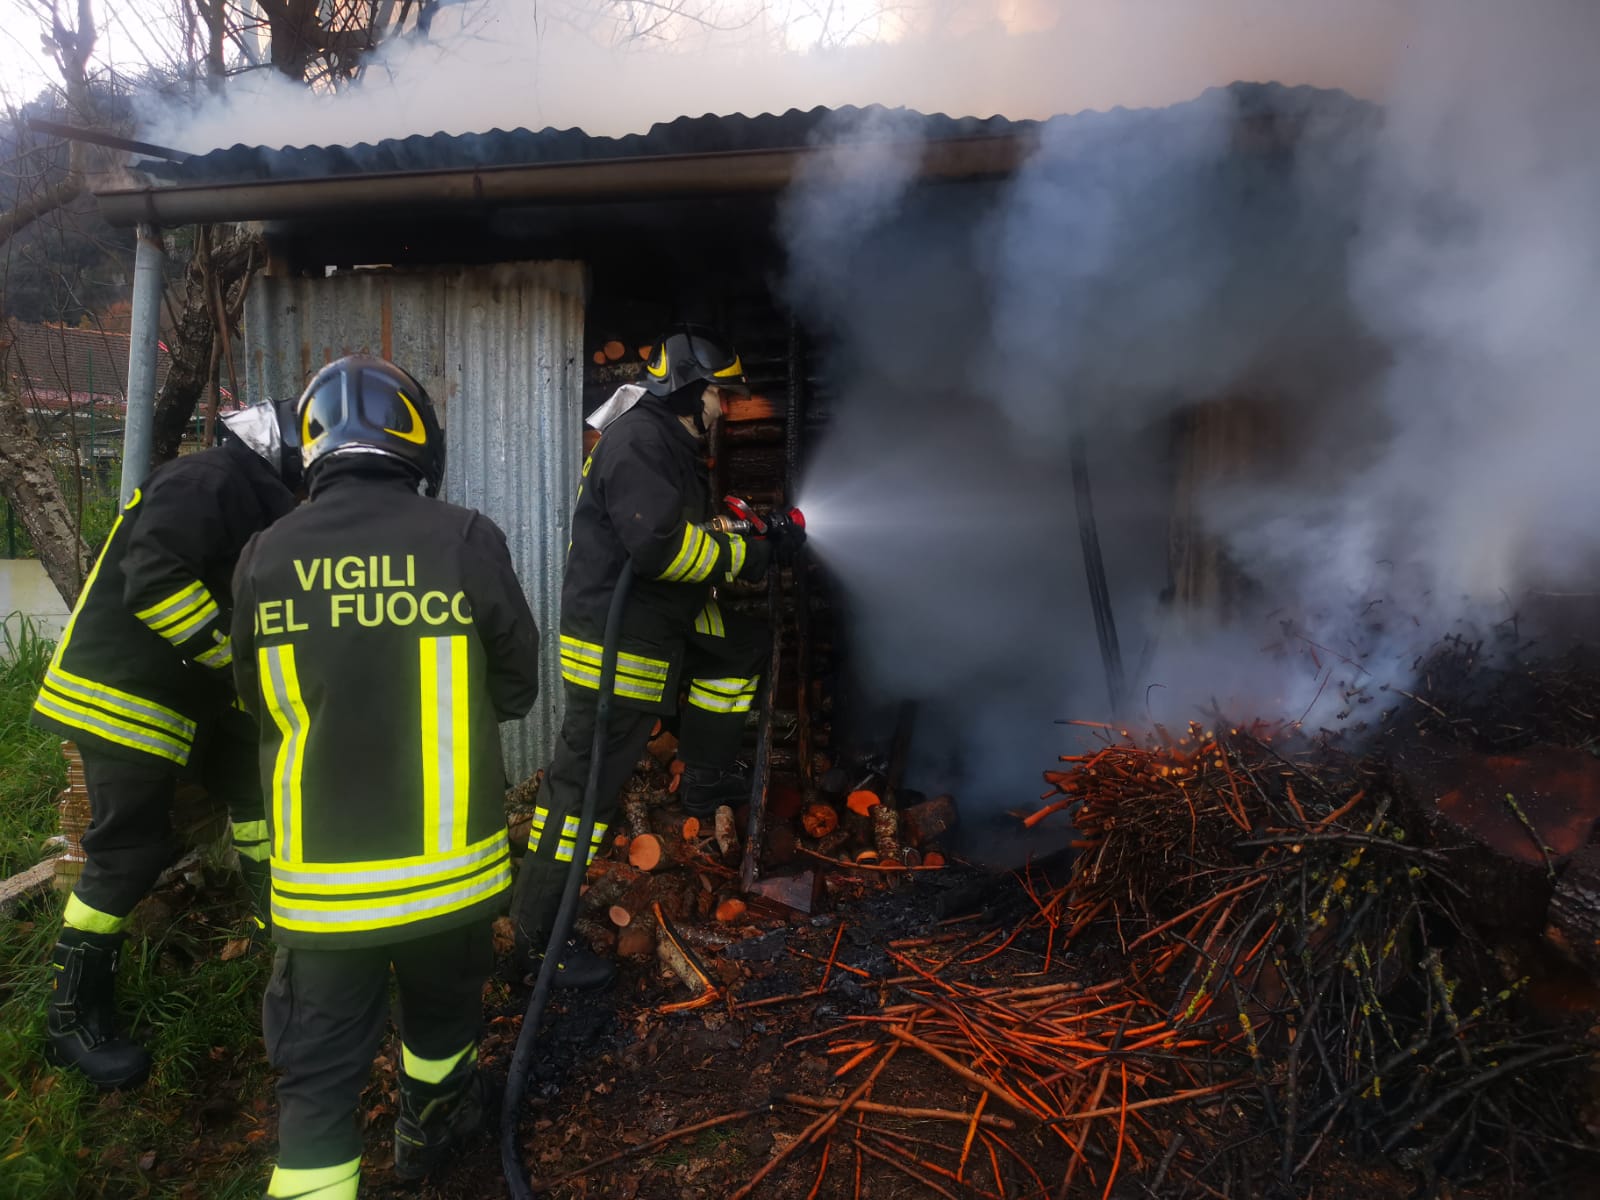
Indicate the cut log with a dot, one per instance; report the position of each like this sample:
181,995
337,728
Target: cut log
679,957
819,820
599,358
619,916
613,350
928,821
727,831
691,828
832,844
1574,918
35,879
637,813
663,747
636,942
731,909
651,852
933,859
1509,823
862,802
886,834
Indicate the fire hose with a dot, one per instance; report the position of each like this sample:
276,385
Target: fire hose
516,1083
791,525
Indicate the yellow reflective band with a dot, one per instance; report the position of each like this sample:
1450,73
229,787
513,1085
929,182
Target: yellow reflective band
346,915
182,630
112,729
728,372
658,365
433,1070
386,874
90,920
446,742
179,602
709,622
732,695
693,536
88,587
219,656
634,664
589,677
587,463
250,840
280,689
705,560
316,1183
120,703
736,556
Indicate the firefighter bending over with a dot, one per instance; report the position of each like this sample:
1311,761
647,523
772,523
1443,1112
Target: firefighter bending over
141,683
380,637
643,500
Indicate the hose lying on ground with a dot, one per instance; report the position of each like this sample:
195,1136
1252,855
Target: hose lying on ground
516,1082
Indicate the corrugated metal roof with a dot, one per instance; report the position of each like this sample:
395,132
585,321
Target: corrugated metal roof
708,134
499,350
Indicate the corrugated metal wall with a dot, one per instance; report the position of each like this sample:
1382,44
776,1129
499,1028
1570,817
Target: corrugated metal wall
499,349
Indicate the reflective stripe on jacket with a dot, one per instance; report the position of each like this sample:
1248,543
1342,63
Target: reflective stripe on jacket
382,637
143,658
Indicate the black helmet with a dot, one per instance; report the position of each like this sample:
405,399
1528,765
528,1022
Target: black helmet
269,429
361,404
692,354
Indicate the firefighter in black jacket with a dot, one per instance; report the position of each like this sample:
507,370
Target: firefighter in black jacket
644,501
381,637
141,683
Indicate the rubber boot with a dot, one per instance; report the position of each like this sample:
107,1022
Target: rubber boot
435,1118
705,789
81,1025
534,901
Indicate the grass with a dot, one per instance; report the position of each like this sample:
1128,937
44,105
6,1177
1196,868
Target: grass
32,770
195,1130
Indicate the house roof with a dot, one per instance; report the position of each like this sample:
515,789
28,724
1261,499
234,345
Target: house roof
54,361
750,153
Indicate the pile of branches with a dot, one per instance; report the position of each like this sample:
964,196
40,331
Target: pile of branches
1268,900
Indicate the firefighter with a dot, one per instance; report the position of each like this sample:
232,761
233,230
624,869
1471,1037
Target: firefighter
141,683
381,637
643,500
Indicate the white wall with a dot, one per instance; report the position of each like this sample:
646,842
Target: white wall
25,588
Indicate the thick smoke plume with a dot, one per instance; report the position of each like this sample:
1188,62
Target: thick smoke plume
613,67
1400,310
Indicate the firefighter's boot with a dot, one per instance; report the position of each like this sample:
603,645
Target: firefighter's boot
534,902
436,1118
706,789
81,1026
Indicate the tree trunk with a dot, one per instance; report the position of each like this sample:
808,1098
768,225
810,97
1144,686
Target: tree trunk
232,257
29,482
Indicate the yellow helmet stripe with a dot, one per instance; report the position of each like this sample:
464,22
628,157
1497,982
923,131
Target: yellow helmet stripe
658,366
416,435
734,368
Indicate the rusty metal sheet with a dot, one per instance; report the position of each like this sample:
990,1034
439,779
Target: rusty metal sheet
499,349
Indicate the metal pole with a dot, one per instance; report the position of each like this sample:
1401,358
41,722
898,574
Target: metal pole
137,433
1094,568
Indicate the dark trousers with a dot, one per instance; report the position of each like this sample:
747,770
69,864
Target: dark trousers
737,648
130,839
325,1013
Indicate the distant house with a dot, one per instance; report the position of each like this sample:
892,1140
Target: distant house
64,373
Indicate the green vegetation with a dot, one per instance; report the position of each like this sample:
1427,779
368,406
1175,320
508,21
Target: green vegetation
196,1129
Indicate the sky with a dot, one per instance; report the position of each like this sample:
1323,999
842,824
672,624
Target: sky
567,63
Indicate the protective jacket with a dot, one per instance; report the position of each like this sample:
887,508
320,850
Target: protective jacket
380,638
145,656
644,497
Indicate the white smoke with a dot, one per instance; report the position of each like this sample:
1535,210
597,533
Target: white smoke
611,67
1414,311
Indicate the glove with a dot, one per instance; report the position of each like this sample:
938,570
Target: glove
787,535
